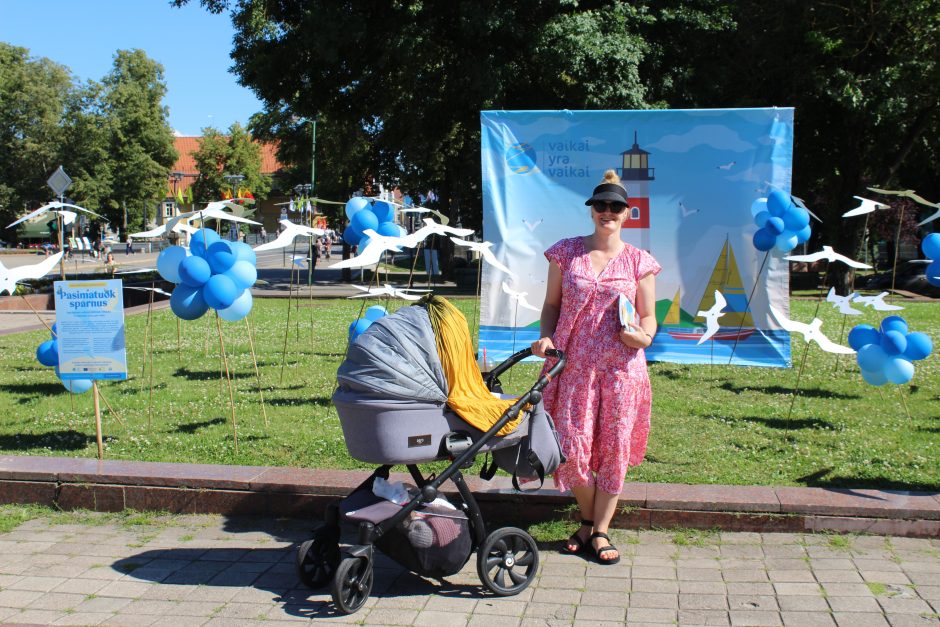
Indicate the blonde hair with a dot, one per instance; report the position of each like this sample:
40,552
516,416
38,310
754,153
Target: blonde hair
610,176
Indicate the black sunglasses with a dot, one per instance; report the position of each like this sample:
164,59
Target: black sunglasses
615,208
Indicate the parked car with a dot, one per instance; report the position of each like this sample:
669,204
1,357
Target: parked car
910,276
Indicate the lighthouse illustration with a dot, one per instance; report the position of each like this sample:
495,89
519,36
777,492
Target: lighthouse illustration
636,176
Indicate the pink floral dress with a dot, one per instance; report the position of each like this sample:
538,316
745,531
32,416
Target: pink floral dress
601,402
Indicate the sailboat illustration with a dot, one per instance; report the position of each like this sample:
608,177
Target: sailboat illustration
737,323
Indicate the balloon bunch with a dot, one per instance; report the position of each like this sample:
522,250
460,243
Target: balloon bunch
47,354
358,327
780,222
885,354
213,273
931,247
364,215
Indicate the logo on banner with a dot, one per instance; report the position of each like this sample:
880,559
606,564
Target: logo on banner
521,158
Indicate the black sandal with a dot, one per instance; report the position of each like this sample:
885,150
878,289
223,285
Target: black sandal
576,540
598,553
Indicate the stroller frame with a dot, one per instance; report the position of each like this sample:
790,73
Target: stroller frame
507,551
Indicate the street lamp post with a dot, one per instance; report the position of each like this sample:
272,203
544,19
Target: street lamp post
232,180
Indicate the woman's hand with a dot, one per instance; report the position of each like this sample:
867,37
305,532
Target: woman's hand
634,336
541,345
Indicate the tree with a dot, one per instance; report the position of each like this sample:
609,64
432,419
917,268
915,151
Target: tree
33,93
235,153
140,139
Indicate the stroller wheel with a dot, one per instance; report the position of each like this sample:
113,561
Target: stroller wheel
508,561
318,558
352,584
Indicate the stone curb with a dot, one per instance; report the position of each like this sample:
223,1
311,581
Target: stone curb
70,483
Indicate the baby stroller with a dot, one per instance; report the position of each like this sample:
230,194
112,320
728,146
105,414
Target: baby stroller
392,402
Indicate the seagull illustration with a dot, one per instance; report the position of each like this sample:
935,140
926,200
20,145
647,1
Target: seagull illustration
727,166
432,228
842,302
55,207
287,236
830,255
877,302
867,206
519,297
711,316
686,212
532,225
9,277
811,333
799,203
373,251
909,193
387,290
484,249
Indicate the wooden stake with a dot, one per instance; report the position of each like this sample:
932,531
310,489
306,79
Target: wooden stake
904,402
179,350
41,319
290,297
111,409
251,343
747,304
94,389
150,402
231,392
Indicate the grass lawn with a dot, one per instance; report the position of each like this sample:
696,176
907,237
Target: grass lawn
711,424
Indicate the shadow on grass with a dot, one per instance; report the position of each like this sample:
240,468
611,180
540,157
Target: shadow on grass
64,440
779,389
318,401
31,390
193,427
821,479
791,425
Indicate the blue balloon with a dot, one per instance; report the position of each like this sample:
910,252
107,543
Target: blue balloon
871,357
238,309
803,234
919,346
53,332
894,323
384,211
77,386
220,291
778,203
761,219
776,225
220,256
931,245
351,237
388,229
244,252
201,240
355,205
893,342
795,218
187,302
757,206
375,312
402,231
898,370
48,353
933,273
786,242
862,335
194,271
243,274
764,240
874,377
168,263
362,220
363,242
358,327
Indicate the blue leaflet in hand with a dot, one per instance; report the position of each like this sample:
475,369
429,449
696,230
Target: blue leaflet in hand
627,312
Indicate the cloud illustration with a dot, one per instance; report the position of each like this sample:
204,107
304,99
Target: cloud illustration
712,135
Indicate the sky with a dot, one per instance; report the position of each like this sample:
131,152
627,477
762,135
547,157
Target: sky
192,44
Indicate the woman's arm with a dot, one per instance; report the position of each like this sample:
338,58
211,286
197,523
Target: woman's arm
641,335
551,309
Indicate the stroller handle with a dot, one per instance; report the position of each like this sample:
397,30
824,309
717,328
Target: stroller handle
515,358
554,371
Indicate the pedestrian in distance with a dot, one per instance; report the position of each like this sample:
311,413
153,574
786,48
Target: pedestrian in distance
601,402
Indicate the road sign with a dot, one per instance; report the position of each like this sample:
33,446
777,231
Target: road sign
59,181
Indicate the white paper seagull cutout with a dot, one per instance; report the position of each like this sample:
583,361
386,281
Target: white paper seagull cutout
148,289
711,316
432,228
802,205
9,277
877,302
909,193
387,290
811,333
374,251
212,212
287,236
867,206
842,303
519,297
484,249
160,231
830,255
55,207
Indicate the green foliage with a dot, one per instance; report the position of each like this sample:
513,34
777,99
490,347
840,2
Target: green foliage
235,153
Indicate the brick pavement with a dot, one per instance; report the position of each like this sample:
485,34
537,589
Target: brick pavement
215,570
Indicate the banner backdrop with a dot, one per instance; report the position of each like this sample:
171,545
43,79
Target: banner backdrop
692,177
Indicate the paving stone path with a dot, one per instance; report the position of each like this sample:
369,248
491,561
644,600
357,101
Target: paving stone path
212,570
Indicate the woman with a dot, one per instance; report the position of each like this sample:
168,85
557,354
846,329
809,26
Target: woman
601,402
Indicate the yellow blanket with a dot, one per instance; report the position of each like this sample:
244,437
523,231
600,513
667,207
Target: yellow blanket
468,395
